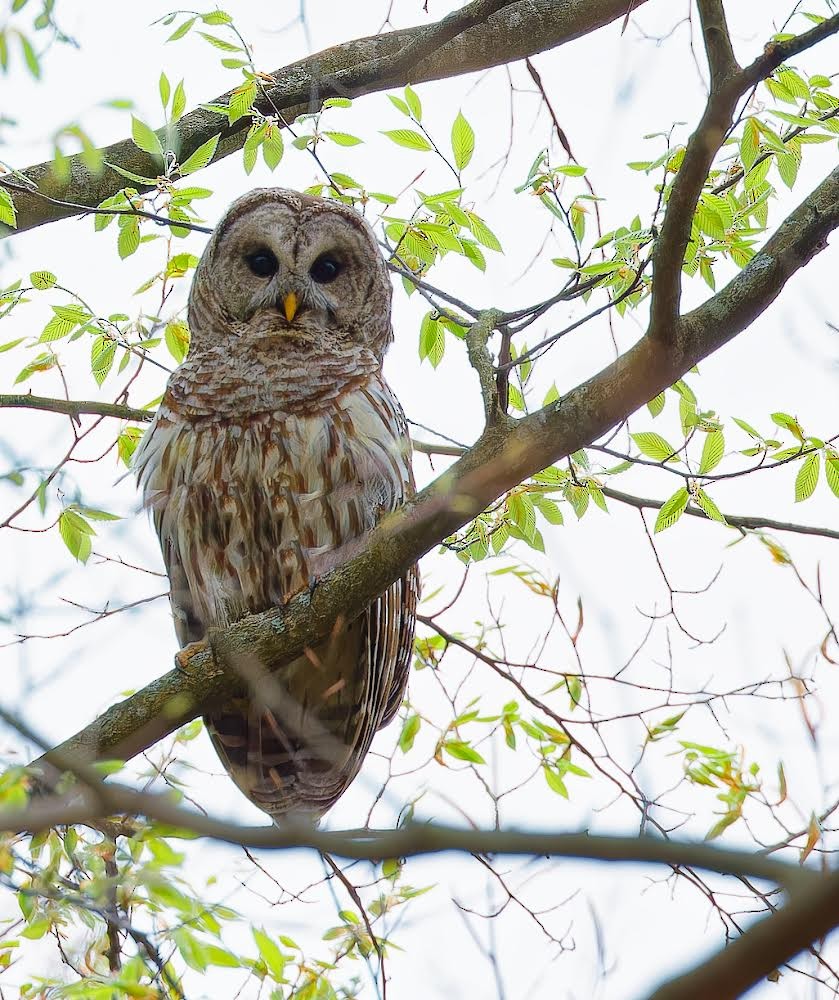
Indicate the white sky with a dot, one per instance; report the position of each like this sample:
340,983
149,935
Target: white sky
608,91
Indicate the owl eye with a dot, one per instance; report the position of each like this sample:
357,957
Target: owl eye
262,263
325,269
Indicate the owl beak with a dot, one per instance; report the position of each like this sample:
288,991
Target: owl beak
290,306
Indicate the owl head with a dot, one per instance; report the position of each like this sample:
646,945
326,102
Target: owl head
291,264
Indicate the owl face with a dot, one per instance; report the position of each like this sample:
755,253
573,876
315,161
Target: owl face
283,261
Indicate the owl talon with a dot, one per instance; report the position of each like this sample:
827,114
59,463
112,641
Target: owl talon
185,655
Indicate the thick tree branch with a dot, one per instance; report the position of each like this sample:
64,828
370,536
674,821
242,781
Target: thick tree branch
410,840
721,62
762,948
501,458
510,31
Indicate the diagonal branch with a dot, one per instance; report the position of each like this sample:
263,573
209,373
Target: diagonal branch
481,35
728,84
503,456
762,948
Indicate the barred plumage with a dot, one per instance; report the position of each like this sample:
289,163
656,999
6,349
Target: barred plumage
277,446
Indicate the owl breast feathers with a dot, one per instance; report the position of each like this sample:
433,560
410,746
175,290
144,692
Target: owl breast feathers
277,446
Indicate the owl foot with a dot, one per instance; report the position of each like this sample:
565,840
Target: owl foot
185,655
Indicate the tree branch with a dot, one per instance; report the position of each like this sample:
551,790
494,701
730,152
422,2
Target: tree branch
766,945
745,522
410,840
511,31
502,458
76,408
721,62
728,84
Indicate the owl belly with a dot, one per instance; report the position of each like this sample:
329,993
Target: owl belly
250,514
248,518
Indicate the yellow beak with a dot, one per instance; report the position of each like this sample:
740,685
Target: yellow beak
290,306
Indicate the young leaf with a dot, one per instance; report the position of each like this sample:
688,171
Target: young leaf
7,209
712,451
672,509
201,157
145,137
410,139
413,102
808,477
653,445
463,141
42,280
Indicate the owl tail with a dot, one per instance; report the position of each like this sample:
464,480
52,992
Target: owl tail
296,743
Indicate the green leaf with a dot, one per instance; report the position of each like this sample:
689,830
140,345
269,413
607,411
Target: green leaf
672,509
201,157
410,728
272,147
653,445
463,141
656,404
137,178
831,473
790,424
462,751
409,139
102,355
30,57
75,532
220,43
178,101
240,101
7,209
270,954
397,102
808,477
708,506
482,233
432,341
145,137
165,89
413,102
712,451
343,138
42,279
554,780
129,236
176,338
549,509
182,30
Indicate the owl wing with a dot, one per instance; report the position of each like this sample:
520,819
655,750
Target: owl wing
293,749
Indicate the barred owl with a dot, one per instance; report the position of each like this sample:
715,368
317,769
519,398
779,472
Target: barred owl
277,446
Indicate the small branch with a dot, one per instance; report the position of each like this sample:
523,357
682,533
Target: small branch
776,53
162,220
76,408
744,522
427,448
480,359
